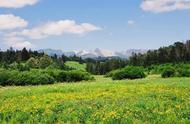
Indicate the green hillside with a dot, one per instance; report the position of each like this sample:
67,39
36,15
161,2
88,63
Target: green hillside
76,65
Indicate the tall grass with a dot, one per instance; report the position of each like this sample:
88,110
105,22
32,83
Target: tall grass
151,100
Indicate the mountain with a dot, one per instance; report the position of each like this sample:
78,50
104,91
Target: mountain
51,52
94,53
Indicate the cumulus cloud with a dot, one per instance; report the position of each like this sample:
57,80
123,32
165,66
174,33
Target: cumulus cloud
16,3
9,22
17,42
20,38
58,28
158,6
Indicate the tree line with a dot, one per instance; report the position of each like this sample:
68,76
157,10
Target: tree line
102,67
18,56
178,52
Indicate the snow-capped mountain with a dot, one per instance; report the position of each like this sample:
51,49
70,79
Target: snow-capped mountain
94,53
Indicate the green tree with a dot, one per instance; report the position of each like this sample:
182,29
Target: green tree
45,61
33,63
25,54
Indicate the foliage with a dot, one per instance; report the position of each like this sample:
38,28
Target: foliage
111,73
152,101
178,52
173,70
45,61
10,56
33,63
23,67
183,72
103,67
169,72
40,77
129,72
24,78
75,75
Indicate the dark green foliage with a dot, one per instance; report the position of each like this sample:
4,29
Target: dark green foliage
24,78
175,70
72,76
75,75
40,77
10,56
184,73
103,67
25,54
130,72
168,72
176,53
62,76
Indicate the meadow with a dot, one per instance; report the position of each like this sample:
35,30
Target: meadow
150,100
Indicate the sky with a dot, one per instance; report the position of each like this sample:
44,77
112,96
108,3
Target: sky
115,25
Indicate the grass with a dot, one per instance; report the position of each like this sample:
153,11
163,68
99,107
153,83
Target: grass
150,100
76,65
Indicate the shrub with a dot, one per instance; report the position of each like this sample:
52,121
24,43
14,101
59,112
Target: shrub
33,63
74,76
62,76
130,72
168,72
183,73
45,61
40,77
8,77
24,78
23,67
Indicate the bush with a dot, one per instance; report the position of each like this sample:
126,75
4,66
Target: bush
33,63
74,76
45,61
40,77
130,72
24,78
62,76
183,73
168,72
4,77
23,67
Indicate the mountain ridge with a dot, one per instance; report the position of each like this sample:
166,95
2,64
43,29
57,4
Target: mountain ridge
93,53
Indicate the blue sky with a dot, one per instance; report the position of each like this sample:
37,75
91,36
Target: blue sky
109,24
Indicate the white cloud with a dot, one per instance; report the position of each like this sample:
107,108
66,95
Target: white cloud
158,6
17,42
131,22
58,28
20,38
16,3
9,22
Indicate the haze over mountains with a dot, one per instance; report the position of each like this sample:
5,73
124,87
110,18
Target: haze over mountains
94,53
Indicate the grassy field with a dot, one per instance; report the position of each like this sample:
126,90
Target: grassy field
147,101
76,65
